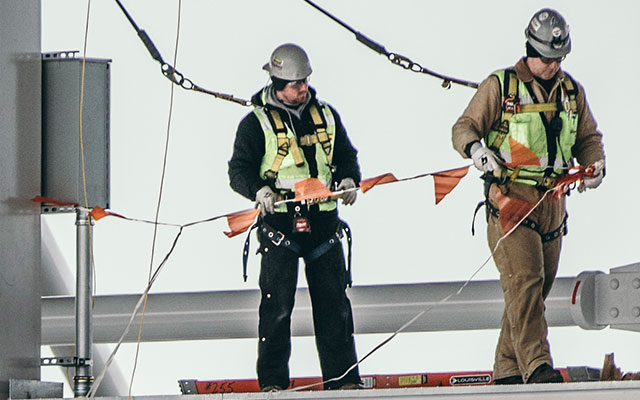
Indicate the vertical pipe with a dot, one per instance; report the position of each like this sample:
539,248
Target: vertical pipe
83,379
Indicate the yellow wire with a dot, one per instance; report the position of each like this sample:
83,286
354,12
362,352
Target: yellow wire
155,229
82,157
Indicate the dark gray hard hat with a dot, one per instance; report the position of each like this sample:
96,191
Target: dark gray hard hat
548,33
288,62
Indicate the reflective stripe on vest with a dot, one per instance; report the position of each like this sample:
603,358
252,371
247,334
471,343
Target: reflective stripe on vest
290,170
521,121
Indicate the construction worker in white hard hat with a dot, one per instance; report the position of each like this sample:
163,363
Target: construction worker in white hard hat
291,136
537,109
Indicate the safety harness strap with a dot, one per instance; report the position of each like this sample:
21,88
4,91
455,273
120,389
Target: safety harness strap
320,135
245,251
510,106
284,145
544,107
333,240
281,240
546,237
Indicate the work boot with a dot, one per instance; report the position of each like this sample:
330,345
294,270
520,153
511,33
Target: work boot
509,380
271,388
350,386
545,374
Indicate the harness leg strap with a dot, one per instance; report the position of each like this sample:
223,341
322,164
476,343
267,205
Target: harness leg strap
332,241
546,237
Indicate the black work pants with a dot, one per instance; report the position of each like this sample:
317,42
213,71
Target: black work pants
332,316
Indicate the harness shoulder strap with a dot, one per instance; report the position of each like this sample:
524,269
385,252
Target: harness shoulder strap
284,145
552,129
510,106
320,134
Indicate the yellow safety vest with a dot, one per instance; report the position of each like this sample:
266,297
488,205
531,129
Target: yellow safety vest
522,121
283,160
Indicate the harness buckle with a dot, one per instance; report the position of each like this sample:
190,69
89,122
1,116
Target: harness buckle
278,240
511,104
549,182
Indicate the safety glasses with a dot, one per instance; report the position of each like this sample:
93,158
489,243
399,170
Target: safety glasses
548,60
298,84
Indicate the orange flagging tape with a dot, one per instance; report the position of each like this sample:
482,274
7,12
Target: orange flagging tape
521,155
574,175
241,221
311,188
444,182
40,199
512,211
367,184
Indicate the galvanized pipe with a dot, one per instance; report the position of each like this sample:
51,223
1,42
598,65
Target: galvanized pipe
83,316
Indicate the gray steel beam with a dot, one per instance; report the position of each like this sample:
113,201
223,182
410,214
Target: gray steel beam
585,300
233,314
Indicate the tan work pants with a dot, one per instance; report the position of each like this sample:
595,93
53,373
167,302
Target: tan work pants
527,269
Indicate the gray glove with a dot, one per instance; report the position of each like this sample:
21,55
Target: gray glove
483,158
348,198
592,182
265,198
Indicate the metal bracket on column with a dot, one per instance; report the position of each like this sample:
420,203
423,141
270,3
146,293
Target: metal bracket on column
65,361
188,386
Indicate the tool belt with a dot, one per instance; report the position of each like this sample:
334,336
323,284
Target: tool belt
279,239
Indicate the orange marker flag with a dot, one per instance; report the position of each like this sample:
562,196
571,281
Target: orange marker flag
311,188
98,212
367,184
241,221
575,174
445,181
40,199
521,155
512,211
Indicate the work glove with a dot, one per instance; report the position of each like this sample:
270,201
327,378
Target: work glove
483,158
592,182
349,197
265,198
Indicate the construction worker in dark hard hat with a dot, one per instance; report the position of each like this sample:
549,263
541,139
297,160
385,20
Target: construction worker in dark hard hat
291,136
537,110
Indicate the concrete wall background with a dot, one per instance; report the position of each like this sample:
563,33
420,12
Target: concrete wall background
20,148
